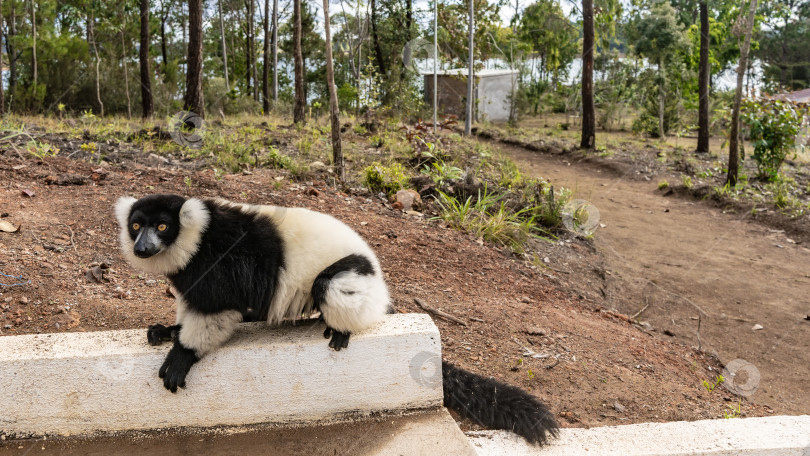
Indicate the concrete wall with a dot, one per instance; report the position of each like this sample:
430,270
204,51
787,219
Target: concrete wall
495,97
84,382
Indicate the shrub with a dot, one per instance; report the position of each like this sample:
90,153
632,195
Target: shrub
388,179
774,126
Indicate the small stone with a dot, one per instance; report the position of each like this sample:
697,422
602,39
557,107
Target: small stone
151,283
618,407
757,327
525,299
546,260
23,300
312,191
535,331
18,321
8,327
397,205
317,166
409,199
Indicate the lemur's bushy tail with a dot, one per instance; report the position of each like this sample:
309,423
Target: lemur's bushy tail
497,405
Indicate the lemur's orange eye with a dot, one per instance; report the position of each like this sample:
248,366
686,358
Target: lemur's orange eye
136,226
162,227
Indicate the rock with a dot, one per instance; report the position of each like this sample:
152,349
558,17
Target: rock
535,331
151,283
317,166
8,326
397,205
646,325
409,199
158,160
618,407
23,300
312,191
757,327
525,300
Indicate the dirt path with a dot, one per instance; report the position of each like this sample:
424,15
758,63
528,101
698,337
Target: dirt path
687,260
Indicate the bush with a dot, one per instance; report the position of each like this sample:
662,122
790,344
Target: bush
387,179
774,126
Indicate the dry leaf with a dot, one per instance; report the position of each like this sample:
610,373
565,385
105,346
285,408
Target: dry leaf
8,227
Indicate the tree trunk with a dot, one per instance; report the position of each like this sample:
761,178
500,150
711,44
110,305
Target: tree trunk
704,74
224,48
662,80
193,100
2,95
275,51
91,20
588,114
248,46
334,112
377,48
34,48
470,71
734,140
143,54
265,60
124,67
253,54
164,17
299,116
12,54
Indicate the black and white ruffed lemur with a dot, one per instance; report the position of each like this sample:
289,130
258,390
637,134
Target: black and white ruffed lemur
233,262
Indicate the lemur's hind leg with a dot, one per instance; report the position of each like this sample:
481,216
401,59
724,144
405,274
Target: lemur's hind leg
339,339
351,296
157,334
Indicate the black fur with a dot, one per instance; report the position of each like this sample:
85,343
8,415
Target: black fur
357,263
236,249
157,334
497,405
176,366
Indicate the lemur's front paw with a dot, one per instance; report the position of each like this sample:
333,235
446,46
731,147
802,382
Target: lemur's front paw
157,334
177,365
339,339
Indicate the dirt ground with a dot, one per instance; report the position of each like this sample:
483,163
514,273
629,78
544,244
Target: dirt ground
593,366
678,262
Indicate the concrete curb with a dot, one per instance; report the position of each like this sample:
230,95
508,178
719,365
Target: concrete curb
81,383
771,436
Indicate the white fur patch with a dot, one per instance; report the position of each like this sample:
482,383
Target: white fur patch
355,302
204,333
194,217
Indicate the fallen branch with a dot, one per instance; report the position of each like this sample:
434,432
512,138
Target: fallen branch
439,313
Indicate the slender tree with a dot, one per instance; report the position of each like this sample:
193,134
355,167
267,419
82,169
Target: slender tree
334,111
249,44
143,54
275,51
165,8
588,115
91,20
253,53
34,47
265,58
734,139
224,48
704,74
124,64
299,116
2,95
470,72
11,50
193,100
377,48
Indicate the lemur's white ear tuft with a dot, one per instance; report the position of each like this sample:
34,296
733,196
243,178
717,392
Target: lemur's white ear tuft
194,215
123,207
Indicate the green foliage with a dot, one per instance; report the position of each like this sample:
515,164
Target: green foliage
711,386
774,126
544,27
387,179
662,184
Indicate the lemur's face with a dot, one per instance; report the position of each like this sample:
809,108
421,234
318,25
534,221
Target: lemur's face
154,223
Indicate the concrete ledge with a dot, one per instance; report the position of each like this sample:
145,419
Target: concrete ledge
81,383
771,436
